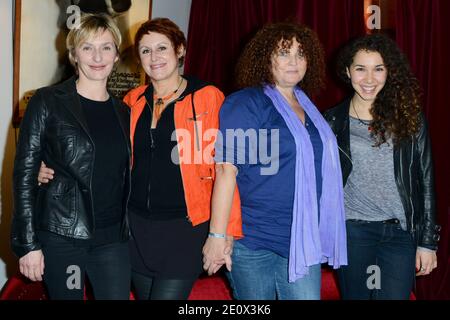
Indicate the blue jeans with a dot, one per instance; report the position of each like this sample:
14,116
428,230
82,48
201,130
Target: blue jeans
263,275
373,247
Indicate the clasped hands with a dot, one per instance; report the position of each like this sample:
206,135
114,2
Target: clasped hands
216,253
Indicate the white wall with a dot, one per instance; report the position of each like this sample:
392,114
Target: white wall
176,10
7,144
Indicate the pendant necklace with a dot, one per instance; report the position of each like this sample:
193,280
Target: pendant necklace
161,101
369,127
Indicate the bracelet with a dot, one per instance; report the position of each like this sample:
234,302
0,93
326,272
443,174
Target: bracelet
216,235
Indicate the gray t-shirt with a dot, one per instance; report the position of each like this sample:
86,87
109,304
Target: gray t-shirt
371,193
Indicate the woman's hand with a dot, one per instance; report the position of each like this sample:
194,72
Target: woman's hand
32,265
45,174
229,246
216,253
426,261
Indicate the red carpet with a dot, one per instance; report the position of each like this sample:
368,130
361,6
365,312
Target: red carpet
206,288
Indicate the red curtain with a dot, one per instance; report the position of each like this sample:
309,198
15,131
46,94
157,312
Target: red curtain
219,30
422,34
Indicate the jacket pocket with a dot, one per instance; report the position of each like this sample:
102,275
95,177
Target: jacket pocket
59,209
206,179
206,173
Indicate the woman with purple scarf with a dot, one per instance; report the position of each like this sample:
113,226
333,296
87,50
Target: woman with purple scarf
280,153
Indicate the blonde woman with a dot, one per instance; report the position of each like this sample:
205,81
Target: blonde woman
76,224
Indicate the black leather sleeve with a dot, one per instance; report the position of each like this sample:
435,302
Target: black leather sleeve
25,184
429,235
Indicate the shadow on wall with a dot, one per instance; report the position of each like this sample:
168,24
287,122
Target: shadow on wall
6,200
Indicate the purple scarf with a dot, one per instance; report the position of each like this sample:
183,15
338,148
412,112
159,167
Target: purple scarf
313,243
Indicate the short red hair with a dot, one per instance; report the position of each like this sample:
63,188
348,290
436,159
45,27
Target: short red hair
163,26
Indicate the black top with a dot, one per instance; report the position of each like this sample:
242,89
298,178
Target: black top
110,161
156,183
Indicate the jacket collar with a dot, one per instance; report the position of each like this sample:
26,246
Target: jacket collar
339,122
341,117
67,91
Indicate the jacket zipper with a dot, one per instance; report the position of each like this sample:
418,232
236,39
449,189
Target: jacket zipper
188,218
194,115
152,145
90,188
411,190
129,186
129,170
415,236
90,181
345,153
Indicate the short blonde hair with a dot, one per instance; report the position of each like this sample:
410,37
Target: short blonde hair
90,25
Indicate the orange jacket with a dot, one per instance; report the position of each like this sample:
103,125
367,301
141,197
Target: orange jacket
195,146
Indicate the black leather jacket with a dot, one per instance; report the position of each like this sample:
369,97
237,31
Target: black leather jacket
413,168
54,130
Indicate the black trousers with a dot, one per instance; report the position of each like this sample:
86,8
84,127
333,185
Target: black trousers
66,265
148,288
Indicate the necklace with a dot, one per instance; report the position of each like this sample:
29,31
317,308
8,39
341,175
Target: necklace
162,100
369,127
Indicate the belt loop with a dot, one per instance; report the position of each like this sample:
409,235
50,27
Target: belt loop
391,221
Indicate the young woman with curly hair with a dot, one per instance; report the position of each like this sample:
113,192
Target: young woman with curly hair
387,170
291,197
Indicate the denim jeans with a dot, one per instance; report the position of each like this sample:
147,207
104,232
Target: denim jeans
263,275
381,262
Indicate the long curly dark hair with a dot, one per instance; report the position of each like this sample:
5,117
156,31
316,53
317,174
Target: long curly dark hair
396,109
254,67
